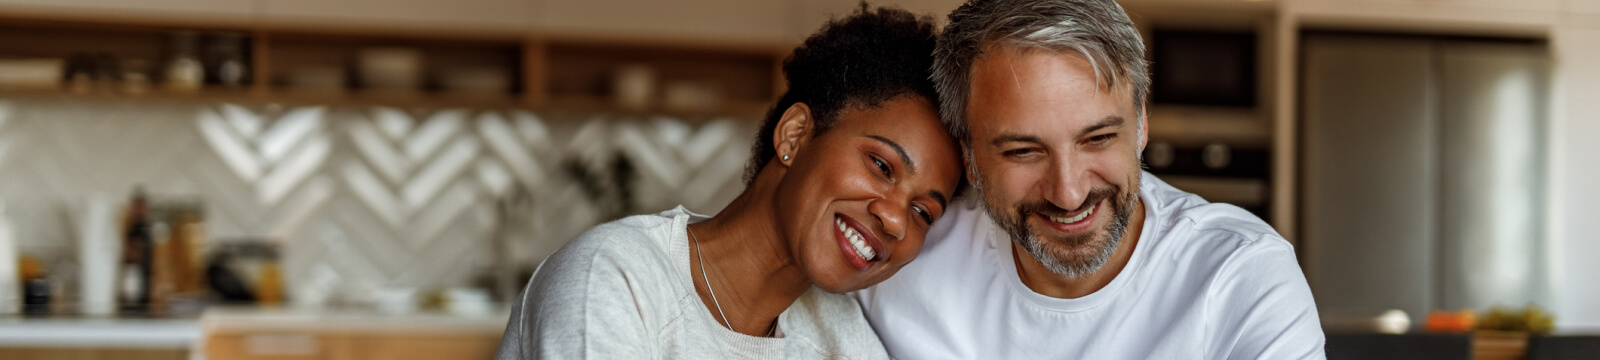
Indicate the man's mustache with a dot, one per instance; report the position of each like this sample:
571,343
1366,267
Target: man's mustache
1047,208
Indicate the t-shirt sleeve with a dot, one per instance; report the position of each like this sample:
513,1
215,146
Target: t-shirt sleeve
1263,307
579,305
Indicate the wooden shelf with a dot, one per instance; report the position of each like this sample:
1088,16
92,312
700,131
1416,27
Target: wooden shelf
564,73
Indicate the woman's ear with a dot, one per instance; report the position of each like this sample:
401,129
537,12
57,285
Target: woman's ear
793,131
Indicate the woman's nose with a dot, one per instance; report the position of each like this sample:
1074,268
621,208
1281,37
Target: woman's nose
891,214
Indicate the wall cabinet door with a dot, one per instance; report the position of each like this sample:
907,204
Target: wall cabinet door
422,14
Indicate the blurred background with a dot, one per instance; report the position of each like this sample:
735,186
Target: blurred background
363,179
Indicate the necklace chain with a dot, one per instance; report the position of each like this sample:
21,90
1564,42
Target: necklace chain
702,260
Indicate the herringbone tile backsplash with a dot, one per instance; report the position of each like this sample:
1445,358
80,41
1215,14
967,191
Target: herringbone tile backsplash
360,198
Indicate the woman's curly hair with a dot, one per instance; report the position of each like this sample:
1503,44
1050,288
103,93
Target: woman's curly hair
856,62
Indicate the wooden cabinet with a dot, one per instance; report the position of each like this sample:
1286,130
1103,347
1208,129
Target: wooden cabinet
727,20
349,346
50,353
478,14
142,7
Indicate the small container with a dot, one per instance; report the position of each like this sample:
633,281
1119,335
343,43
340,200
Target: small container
468,302
396,69
31,73
184,72
480,80
398,301
225,60
634,86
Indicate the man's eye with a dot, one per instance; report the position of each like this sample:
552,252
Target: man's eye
1017,152
1101,139
1020,153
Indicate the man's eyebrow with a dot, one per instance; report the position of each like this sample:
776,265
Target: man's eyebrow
1109,121
938,196
1005,138
911,166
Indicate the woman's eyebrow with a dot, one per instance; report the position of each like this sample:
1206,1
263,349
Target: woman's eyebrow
937,196
911,167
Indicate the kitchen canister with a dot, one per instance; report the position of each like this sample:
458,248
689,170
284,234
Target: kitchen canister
99,252
10,281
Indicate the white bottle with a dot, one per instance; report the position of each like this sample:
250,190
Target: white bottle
99,253
10,281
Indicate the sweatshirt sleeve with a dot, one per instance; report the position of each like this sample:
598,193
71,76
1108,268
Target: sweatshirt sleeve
1262,307
579,305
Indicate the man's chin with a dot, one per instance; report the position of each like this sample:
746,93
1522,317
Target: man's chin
1073,256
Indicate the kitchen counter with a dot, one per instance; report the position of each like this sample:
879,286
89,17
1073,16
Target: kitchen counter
249,319
119,333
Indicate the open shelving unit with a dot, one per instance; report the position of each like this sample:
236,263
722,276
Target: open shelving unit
547,72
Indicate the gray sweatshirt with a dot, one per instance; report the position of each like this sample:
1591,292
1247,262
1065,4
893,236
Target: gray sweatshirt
623,291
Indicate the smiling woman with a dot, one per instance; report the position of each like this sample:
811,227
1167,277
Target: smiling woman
851,168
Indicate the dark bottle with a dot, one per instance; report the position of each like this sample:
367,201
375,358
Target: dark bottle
133,285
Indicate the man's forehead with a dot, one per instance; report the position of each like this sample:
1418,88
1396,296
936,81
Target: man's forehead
1009,56
1041,92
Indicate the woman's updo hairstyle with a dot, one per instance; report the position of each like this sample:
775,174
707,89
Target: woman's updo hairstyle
856,62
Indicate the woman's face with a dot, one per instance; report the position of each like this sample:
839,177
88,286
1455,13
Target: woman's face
857,201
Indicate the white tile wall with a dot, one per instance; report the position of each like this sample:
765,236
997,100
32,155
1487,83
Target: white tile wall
360,198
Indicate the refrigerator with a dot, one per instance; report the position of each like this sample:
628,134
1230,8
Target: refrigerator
1422,172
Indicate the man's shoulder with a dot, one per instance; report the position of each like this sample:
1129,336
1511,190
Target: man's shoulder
1211,234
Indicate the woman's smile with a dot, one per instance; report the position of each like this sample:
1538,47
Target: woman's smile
860,247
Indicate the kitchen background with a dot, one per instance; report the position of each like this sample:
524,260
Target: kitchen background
376,175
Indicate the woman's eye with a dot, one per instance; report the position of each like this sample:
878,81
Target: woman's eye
927,218
883,167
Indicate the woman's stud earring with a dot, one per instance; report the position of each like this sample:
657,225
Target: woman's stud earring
786,158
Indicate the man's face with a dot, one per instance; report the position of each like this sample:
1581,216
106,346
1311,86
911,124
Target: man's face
1054,154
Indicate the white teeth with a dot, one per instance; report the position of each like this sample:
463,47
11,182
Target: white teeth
856,241
1074,219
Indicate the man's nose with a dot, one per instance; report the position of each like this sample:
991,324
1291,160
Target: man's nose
1064,186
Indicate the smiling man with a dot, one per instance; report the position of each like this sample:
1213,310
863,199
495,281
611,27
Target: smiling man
1073,251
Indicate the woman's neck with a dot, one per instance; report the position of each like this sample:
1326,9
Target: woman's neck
752,272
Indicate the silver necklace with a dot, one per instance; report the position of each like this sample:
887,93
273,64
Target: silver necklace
702,260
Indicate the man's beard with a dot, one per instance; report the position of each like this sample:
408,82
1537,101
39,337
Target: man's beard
1073,256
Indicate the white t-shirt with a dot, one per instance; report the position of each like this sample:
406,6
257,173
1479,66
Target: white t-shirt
623,291
1206,281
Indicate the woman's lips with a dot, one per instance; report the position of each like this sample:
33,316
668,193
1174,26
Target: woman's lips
859,247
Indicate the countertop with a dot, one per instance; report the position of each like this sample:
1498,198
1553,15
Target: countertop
184,333
126,333
350,320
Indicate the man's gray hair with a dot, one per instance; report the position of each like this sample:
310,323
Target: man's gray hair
1099,30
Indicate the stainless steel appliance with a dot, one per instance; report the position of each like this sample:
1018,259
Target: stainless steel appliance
1423,172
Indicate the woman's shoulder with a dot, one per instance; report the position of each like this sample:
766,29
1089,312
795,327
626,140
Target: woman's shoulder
607,292
834,326
640,236
621,255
